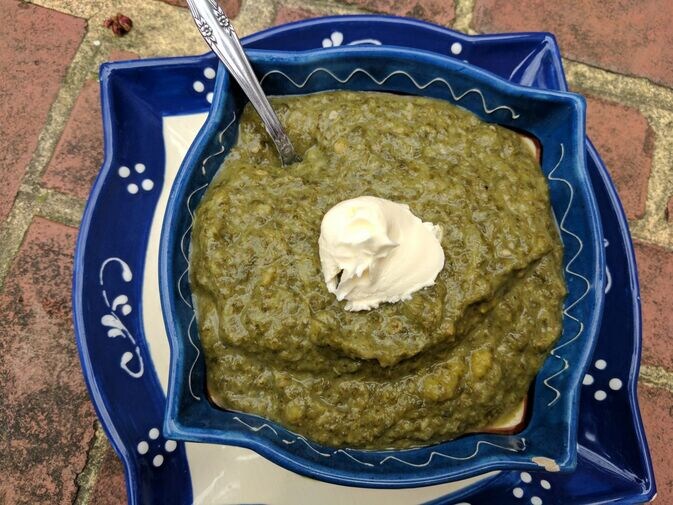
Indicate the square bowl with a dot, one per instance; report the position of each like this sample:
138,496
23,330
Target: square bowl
556,119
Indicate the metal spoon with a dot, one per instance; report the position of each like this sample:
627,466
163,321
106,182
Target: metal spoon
216,29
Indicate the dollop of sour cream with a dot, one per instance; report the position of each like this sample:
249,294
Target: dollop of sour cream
374,251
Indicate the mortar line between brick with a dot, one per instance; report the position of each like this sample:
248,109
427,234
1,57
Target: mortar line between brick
13,231
654,227
253,16
464,14
322,7
71,8
656,376
641,235
59,207
629,90
86,479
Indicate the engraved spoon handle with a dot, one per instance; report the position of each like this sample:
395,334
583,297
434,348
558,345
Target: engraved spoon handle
216,29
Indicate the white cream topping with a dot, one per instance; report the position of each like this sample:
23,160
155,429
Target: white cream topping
374,251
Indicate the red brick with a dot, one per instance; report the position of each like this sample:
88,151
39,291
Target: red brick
36,47
656,406
110,487
230,7
47,418
79,152
120,55
655,269
622,35
626,142
437,11
288,14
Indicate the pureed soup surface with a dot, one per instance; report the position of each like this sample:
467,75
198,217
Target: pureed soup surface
450,360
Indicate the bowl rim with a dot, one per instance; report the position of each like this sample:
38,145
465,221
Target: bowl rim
565,460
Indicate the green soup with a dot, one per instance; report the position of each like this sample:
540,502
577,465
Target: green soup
450,360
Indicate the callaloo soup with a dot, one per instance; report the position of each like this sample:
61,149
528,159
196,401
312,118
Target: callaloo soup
450,360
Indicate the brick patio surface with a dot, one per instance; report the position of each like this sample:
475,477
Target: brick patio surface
619,55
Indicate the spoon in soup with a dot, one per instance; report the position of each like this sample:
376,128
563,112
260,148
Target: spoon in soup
216,29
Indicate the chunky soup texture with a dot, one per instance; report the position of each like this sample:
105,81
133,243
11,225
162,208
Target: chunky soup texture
450,360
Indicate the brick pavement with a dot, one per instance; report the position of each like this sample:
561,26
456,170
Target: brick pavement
619,56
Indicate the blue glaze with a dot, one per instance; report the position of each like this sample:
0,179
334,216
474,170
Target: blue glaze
555,119
616,466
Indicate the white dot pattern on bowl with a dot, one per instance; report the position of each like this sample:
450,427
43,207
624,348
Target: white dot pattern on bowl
601,393
209,73
198,86
155,446
526,478
615,384
133,187
143,447
456,48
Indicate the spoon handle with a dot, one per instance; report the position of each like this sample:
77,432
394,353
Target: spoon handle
217,30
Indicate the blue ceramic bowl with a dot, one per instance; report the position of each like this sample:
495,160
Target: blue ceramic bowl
556,119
